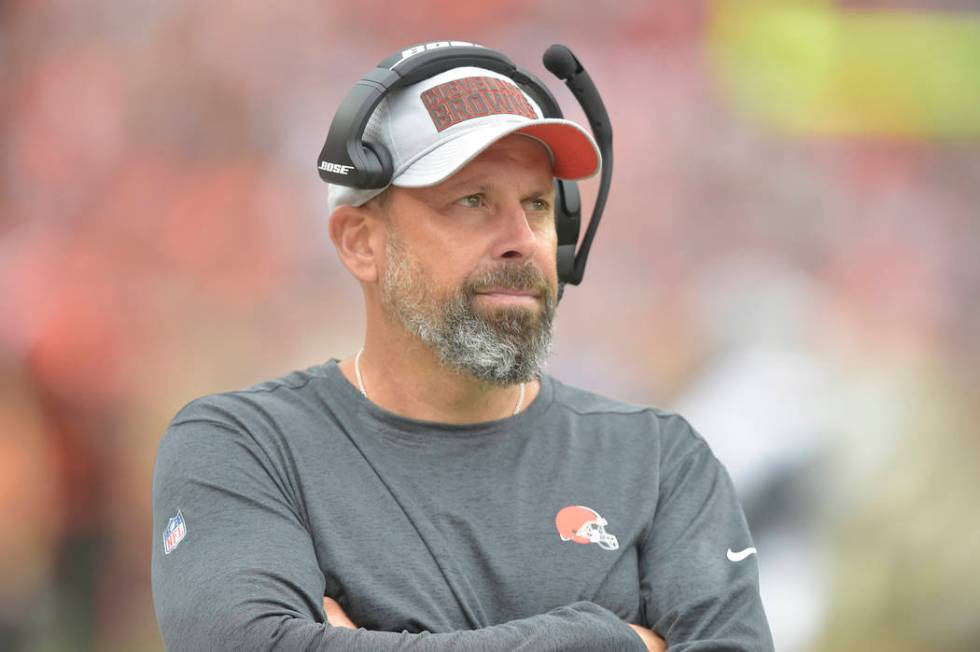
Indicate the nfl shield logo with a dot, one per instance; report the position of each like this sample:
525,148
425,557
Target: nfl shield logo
175,533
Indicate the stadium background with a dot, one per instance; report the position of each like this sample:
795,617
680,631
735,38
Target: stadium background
789,258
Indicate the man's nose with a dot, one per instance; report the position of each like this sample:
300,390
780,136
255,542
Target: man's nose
516,238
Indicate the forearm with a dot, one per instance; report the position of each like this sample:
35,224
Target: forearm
710,624
578,627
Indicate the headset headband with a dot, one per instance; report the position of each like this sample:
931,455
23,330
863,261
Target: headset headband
347,160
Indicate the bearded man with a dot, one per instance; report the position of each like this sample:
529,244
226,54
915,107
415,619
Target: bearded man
437,491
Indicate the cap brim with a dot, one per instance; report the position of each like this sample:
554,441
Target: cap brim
574,153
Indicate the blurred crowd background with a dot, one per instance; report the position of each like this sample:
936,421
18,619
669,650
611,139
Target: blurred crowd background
789,258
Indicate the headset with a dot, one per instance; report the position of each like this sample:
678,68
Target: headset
347,160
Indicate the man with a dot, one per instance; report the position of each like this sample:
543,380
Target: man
436,491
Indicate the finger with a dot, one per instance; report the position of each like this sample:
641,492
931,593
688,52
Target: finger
650,638
335,614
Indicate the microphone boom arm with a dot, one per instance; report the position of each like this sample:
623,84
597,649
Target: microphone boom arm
564,65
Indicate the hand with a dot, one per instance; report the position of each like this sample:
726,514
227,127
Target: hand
335,615
653,642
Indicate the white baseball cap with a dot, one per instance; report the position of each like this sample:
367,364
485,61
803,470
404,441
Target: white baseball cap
435,127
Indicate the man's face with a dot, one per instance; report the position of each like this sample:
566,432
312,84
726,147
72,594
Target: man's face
470,263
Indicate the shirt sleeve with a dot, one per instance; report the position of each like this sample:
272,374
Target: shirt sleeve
237,568
698,567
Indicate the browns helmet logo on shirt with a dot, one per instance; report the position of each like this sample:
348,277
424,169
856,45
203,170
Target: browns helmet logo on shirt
584,525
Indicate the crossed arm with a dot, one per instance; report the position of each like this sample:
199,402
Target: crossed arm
248,576
338,618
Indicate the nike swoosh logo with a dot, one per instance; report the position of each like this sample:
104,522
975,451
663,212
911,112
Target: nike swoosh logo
740,555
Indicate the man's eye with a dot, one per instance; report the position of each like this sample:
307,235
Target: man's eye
472,201
539,204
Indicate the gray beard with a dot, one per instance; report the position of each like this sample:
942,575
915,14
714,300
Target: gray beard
508,346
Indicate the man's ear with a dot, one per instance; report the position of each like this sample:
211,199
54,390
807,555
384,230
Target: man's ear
357,234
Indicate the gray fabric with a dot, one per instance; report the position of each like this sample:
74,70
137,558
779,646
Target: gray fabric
443,537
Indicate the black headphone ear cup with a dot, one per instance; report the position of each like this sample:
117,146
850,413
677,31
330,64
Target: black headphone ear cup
568,222
382,166
568,211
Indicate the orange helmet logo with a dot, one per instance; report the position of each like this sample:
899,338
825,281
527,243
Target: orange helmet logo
584,525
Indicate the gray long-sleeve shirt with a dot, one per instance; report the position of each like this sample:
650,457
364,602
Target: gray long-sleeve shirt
548,530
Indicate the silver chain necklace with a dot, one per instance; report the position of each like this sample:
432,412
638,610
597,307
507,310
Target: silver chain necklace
360,382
